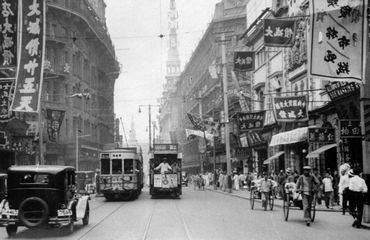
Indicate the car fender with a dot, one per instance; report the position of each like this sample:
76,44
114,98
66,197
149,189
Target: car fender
3,204
81,207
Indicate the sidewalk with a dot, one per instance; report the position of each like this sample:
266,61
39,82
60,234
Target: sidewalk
245,194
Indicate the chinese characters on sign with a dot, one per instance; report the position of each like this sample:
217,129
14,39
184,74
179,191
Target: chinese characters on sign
30,69
54,120
337,90
350,128
279,33
255,139
321,135
338,31
8,35
6,93
250,121
290,109
244,61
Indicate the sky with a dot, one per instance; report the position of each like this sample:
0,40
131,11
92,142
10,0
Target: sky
134,26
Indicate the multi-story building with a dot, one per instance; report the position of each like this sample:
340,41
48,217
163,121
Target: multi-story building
199,93
79,75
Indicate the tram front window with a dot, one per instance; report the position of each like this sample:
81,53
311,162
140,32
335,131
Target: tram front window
105,166
116,166
129,166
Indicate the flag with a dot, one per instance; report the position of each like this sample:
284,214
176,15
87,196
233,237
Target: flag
197,122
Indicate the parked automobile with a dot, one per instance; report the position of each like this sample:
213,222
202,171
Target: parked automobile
41,195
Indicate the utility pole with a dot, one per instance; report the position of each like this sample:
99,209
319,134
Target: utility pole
226,109
41,136
150,122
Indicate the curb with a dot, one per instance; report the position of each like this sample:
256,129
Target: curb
258,200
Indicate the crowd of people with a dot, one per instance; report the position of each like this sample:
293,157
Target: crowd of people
344,189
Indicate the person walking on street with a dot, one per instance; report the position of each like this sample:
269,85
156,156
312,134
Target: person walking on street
357,188
306,185
328,190
343,189
265,188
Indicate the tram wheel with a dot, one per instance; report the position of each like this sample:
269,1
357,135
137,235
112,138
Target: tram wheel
252,196
286,205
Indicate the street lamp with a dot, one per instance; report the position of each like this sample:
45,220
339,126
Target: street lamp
150,121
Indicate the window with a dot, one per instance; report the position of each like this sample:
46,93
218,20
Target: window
129,166
105,166
261,57
34,178
116,166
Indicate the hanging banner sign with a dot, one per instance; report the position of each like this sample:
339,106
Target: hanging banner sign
8,35
250,121
244,61
241,152
338,90
350,128
338,36
255,139
54,120
279,33
6,93
32,45
321,135
197,122
290,109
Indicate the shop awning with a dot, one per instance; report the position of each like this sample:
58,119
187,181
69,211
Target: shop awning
318,151
293,136
268,160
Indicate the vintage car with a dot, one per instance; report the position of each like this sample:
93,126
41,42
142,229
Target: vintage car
3,179
41,195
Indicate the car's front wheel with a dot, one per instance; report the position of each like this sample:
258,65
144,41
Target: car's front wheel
86,218
11,230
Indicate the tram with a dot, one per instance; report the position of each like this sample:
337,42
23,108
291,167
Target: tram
121,173
165,182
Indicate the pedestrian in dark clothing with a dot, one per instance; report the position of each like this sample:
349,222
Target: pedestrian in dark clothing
336,180
357,188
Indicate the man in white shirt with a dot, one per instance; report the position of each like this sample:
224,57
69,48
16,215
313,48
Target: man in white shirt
357,188
328,190
164,166
344,190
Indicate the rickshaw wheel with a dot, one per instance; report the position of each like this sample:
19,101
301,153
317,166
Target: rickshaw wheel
252,198
286,204
313,213
271,202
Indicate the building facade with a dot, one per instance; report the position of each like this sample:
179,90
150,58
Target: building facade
80,70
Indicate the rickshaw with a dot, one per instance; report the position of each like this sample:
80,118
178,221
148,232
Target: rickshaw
293,201
255,193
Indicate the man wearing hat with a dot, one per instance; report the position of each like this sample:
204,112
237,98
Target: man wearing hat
306,185
344,189
357,188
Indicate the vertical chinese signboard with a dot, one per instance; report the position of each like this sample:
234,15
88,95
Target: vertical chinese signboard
6,93
279,33
8,34
54,121
30,70
338,36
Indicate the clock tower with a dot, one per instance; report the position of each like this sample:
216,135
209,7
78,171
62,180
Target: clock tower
173,59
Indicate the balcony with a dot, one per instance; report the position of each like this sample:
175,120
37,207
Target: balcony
86,13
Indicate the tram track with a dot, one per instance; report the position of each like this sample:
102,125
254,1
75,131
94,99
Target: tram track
179,214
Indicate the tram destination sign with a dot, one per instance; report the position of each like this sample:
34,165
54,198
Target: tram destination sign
165,148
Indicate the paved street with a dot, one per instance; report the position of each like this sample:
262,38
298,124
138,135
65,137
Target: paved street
198,215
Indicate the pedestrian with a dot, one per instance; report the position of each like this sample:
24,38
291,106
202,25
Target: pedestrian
336,180
236,181
328,190
281,180
343,189
319,187
306,186
265,189
97,181
357,188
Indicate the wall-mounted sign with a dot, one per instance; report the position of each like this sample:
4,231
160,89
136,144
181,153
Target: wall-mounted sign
244,61
165,148
8,34
321,135
54,120
350,128
250,121
338,90
279,33
6,93
290,109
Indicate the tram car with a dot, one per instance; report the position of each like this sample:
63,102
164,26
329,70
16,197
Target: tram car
121,173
